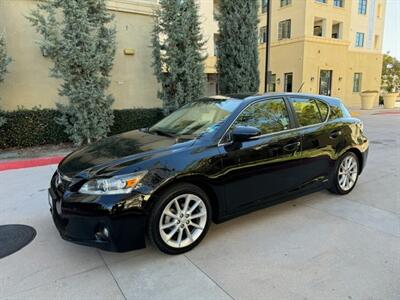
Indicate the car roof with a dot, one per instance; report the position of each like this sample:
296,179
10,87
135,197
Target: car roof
248,97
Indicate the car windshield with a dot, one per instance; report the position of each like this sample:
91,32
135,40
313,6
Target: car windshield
196,118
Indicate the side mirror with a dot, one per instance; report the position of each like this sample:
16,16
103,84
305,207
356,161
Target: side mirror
244,133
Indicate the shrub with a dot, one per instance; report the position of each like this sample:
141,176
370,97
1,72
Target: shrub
129,119
34,127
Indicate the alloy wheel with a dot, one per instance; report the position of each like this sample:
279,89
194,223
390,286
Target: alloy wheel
348,172
183,220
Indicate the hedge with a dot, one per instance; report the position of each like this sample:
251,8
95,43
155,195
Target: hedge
34,127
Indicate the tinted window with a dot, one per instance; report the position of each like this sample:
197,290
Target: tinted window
339,112
309,111
269,116
323,109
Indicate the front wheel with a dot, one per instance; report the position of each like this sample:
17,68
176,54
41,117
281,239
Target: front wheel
346,174
180,219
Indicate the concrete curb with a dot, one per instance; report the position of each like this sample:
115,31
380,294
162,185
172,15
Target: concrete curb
29,163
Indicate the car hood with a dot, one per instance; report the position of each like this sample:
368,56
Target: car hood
113,153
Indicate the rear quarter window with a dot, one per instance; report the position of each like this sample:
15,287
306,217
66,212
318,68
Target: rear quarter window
309,111
339,111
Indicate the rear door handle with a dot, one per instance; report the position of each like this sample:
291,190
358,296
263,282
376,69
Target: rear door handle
291,147
335,134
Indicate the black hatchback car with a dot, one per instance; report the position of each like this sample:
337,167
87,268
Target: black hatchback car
211,160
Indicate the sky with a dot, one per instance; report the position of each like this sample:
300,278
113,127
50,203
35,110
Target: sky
391,35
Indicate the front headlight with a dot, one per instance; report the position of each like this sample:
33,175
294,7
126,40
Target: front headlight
123,184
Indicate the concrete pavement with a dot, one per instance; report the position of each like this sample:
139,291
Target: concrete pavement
320,246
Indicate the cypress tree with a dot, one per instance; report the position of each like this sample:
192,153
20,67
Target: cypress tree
177,46
4,61
79,39
237,46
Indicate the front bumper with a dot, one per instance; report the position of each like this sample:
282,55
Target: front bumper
125,231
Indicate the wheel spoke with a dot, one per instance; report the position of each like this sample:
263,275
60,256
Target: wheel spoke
194,206
347,184
172,233
171,214
186,205
195,225
348,162
198,215
165,226
178,208
179,240
188,233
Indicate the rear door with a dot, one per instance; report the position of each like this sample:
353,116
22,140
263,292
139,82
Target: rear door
320,138
260,169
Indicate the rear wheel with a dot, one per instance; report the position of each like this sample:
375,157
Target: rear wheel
346,174
180,219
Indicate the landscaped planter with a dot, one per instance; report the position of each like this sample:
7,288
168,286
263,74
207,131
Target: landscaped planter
368,99
389,100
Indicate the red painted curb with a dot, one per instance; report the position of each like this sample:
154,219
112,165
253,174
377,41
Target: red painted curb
29,163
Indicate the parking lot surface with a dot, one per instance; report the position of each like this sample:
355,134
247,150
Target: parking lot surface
320,246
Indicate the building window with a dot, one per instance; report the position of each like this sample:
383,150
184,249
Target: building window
272,83
337,30
357,82
263,38
362,7
288,85
359,39
321,1
319,26
216,45
264,6
285,2
338,3
284,29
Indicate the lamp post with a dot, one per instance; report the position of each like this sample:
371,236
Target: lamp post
267,48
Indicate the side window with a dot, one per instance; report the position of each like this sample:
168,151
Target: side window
309,111
323,109
338,112
269,116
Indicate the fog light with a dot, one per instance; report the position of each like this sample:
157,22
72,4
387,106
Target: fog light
103,234
106,233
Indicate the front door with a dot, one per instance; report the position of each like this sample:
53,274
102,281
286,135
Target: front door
325,82
261,169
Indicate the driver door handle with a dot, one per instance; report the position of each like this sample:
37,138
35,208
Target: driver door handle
291,147
335,134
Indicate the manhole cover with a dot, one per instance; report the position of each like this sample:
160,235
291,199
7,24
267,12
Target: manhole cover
14,238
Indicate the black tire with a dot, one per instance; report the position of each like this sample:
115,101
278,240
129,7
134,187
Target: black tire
153,228
335,186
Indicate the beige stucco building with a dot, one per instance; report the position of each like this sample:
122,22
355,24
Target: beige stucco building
316,46
28,83
330,47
